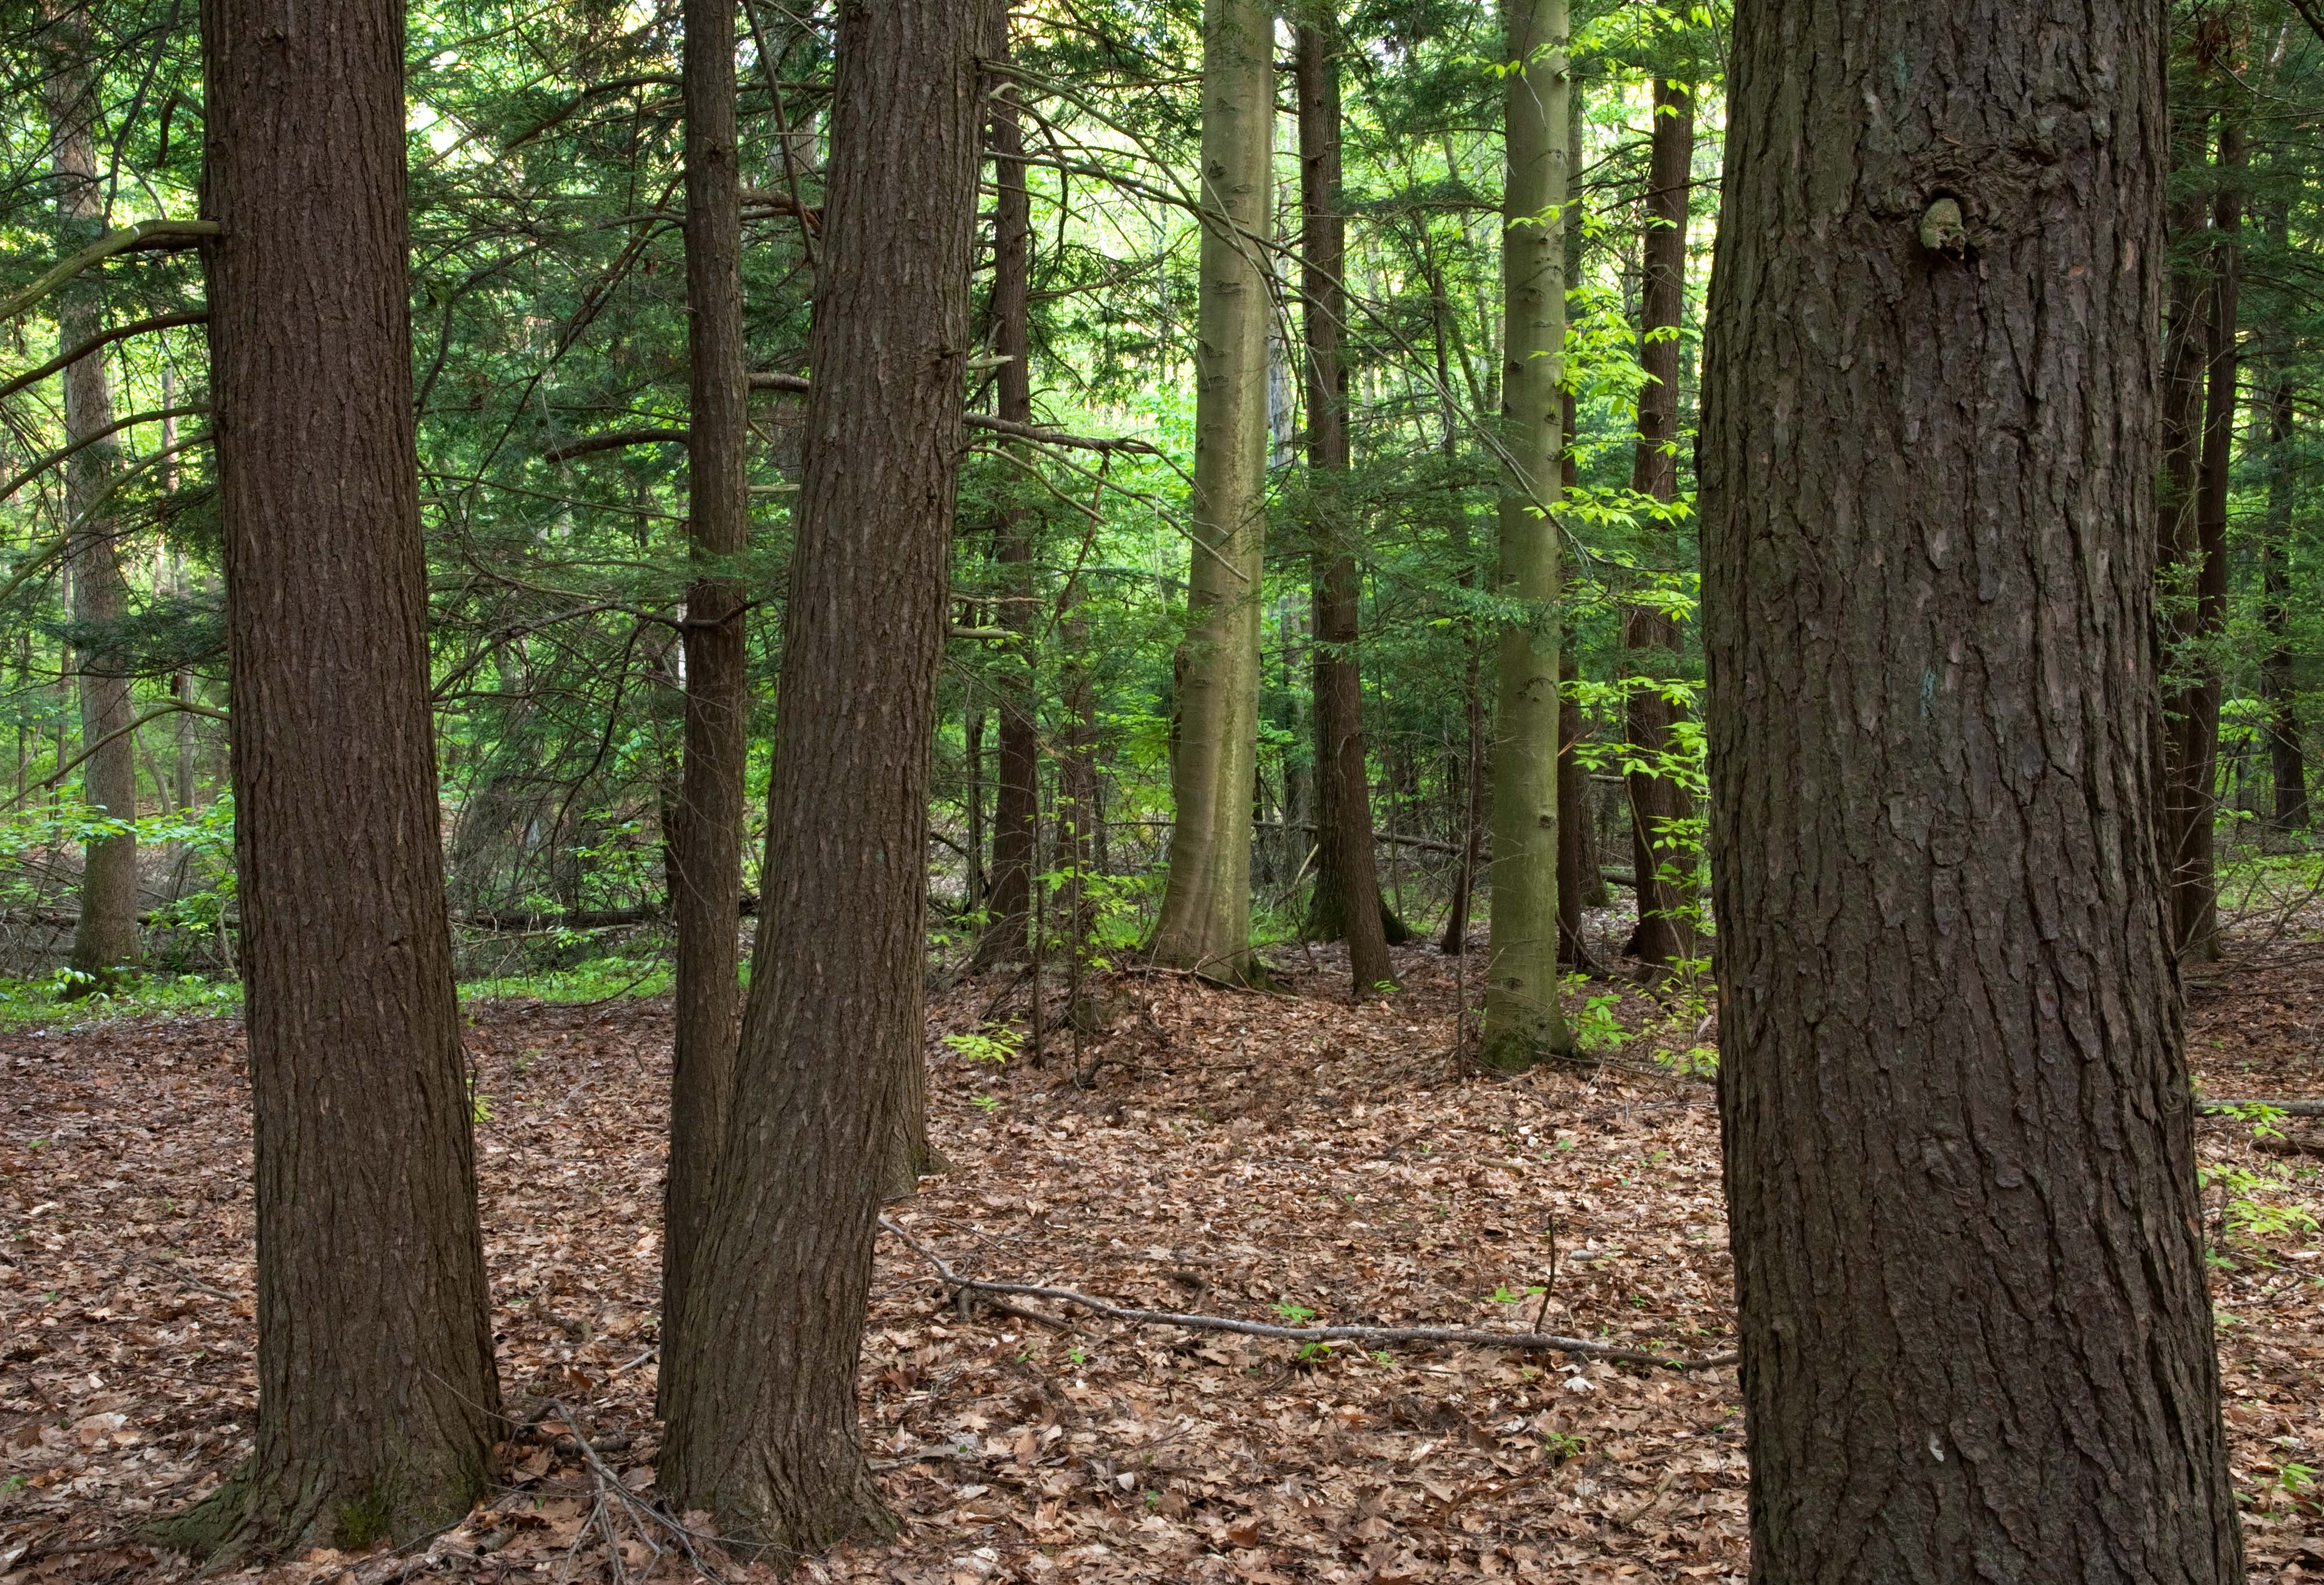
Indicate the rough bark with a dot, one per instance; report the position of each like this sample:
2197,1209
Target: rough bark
2179,548
1664,932
1579,880
1015,807
1975,1333
105,940
2197,895
2287,759
1347,898
705,841
760,1392
377,1400
1522,1018
1204,925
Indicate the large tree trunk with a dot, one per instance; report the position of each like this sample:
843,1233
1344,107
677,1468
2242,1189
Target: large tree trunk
1522,1018
2179,547
377,1401
761,1389
1347,901
106,939
1664,932
1579,881
1016,808
1205,918
1976,1340
2287,761
706,842
2197,895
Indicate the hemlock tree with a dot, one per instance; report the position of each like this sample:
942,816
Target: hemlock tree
1976,1338
1205,918
1522,1019
706,837
105,936
761,1396
377,1401
1347,899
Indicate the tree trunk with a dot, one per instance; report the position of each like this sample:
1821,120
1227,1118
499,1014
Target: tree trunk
2197,895
377,1400
1579,880
1664,932
1205,918
1016,808
762,1388
1347,901
1975,1339
2287,763
1522,1018
1453,942
106,939
706,842
2185,350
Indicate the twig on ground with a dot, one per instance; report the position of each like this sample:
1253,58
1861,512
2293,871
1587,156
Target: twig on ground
1467,1337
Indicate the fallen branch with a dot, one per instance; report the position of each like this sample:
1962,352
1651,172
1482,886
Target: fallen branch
1466,1337
2289,1108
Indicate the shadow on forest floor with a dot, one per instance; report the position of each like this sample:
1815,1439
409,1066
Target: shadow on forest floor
1261,1155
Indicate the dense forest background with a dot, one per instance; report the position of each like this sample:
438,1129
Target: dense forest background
1329,771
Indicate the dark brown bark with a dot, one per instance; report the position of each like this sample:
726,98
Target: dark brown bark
762,1426
106,939
706,838
1346,902
1015,807
2185,357
1975,1337
377,1401
1664,932
2287,761
2197,895
1453,942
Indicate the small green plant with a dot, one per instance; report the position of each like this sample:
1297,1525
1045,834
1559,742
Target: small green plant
1309,1353
1598,1025
1294,1315
986,1103
1563,1445
1503,1296
1078,1355
995,1044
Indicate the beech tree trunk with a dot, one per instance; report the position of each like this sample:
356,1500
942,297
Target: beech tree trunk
106,939
1664,932
377,1400
2287,761
1975,1337
1347,899
2197,895
1016,805
706,842
1522,1018
1204,925
760,1390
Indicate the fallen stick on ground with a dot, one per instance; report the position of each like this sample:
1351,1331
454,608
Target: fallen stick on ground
1467,1337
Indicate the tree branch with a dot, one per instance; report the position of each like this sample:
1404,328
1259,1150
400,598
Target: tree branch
797,385
54,457
104,338
613,441
1467,1337
145,234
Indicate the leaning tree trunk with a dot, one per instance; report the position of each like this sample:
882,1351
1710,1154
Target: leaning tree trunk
1205,918
1347,899
705,841
761,1385
1522,1019
105,940
1976,1340
2197,895
1016,803
1650,635
377,1400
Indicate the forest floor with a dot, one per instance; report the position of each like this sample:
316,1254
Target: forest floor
1253,1155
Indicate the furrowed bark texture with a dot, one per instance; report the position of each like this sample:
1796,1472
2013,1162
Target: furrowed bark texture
705,840
1206,919
377,1401
1522,1019
106,939
1347,899
1016,804
1664,933
762,1396
2179,546
1976,1340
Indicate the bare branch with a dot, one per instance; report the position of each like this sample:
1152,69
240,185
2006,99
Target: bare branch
104,338
144,234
